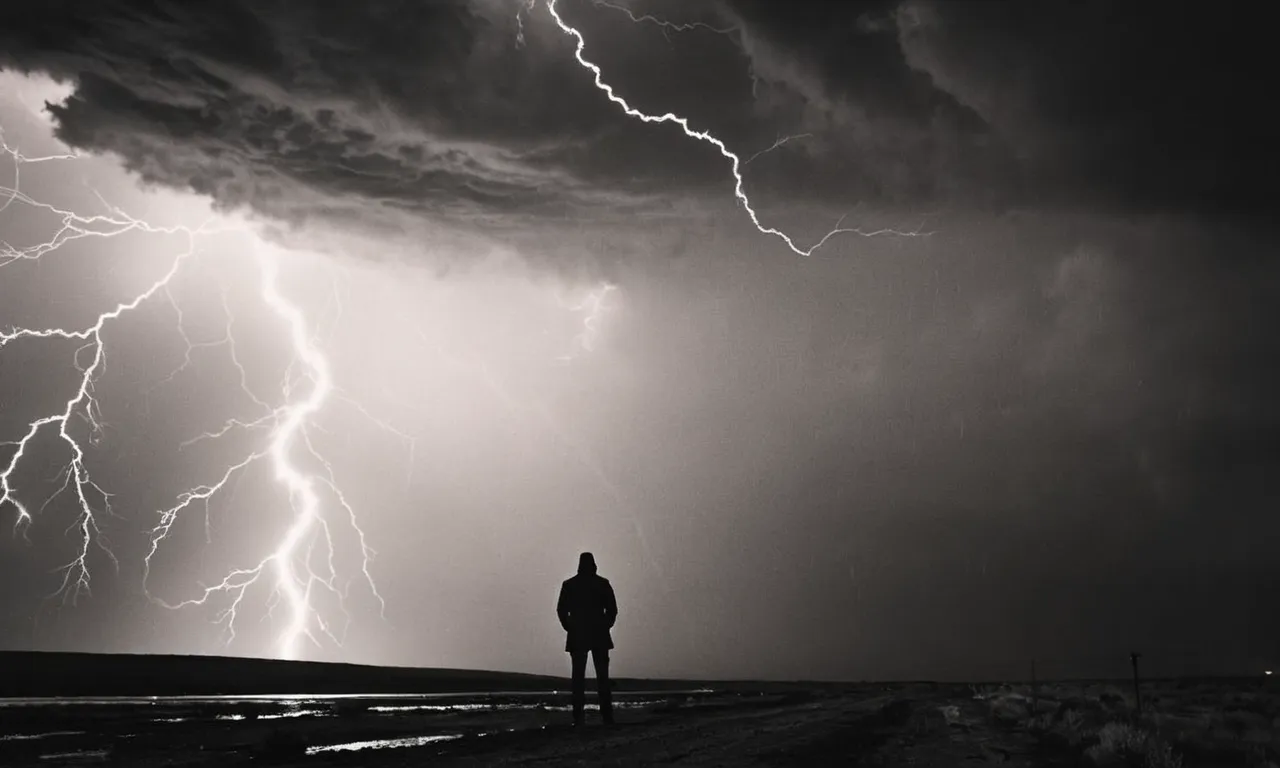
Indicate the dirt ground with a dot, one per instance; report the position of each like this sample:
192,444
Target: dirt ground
1181,724
910,727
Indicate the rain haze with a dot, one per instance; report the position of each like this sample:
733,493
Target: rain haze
1026,411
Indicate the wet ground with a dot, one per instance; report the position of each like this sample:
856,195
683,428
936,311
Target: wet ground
901,725
692,728
224,730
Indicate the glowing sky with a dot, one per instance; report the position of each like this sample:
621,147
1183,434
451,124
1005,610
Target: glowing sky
1044,430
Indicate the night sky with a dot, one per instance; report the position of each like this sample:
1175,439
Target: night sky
1046,428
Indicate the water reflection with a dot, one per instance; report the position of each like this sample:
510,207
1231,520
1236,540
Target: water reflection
300,698
92,730
442,707
93,755
33,736
295,713
356,746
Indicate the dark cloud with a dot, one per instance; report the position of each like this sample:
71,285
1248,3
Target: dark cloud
372,110
369,110
1091,104
1120,104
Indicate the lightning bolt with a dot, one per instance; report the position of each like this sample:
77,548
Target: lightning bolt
290,568
780,142
667,26
526,7
736,162
89,496
592,308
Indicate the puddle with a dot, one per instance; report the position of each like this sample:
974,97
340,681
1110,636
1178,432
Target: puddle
356,746
32,736
288,713
295,713
596,707
89,756
307,698
448,707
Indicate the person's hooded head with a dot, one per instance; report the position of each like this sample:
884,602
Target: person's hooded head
587,563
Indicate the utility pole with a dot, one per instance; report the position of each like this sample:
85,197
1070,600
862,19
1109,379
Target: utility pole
1137,688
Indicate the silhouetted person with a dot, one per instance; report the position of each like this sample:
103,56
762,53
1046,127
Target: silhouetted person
587,611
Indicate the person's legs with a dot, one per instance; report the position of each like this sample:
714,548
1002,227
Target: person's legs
603,687
579,664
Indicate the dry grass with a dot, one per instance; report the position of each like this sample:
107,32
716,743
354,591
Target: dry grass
1196,724
1124,744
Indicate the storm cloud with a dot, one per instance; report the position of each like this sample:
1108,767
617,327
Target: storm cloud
476,111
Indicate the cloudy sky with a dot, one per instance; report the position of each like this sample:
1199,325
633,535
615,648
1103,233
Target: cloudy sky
1044,429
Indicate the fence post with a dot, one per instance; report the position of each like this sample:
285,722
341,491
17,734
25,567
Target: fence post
1035,690
1137,688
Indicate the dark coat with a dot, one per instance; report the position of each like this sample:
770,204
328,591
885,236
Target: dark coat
587,611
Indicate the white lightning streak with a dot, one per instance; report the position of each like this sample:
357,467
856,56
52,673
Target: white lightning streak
526,6
289,424
82,404
592,308
666,25
288,566
669,117
781,141
302,493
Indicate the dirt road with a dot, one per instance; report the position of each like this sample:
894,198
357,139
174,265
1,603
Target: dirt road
900,728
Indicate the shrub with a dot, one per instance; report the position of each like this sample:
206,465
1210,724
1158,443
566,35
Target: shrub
1008,709
1071,725
1161,755
1122,744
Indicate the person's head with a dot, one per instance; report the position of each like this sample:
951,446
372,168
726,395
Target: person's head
586,563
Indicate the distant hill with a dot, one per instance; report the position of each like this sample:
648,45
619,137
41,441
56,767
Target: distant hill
40,674
49,673
30,673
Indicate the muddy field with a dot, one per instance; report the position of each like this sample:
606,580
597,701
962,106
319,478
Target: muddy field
1188,724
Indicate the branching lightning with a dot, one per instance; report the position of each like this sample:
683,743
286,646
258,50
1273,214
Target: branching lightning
669,117
592,309
89,496
781,141
288,569
667,26
525,7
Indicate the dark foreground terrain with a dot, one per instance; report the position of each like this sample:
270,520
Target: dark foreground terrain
1209,723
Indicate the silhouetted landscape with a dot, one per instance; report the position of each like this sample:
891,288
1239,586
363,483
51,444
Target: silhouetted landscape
193,710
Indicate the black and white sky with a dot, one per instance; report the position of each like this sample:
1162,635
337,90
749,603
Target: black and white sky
1046,429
